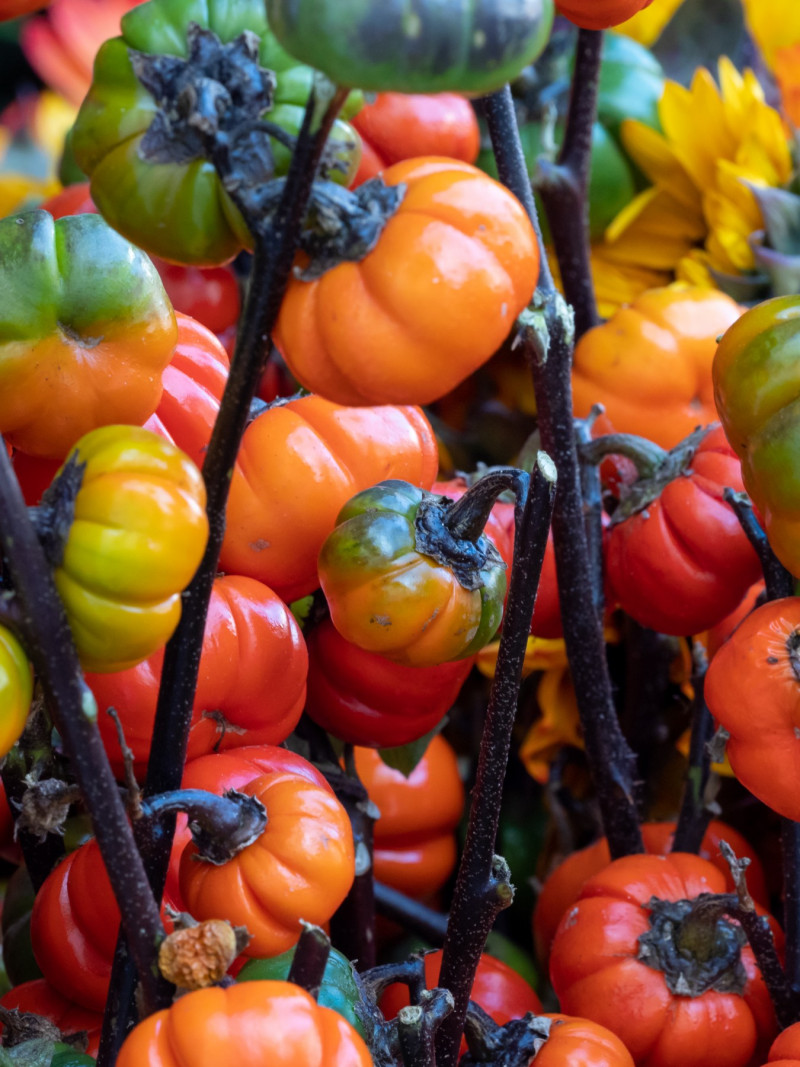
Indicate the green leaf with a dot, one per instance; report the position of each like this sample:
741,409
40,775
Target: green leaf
405,758
301,609
780,211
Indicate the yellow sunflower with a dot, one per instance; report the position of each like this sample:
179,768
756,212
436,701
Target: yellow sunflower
697,216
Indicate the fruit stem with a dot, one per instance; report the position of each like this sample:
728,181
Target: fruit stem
273,257
466,517
695,811
70,704
310,959
646,455
483,882
221,826
564,186
547,344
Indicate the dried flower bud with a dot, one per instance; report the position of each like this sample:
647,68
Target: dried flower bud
198,956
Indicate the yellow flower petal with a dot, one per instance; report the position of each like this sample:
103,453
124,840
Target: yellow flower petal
542,654
716,142
655,157
646,26
558,726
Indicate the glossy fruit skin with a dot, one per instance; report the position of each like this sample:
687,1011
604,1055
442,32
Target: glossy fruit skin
211,295
562,888
650,364
459,47
193,383
756,385
365,699
192,386
16,690
220,771
138,534
397,126
785,1049
298,466
575,1042
180,211
599,14
251,1022
383,594
338,990
595,972
251,686
40,998
74,927
411,336
301,867
683,563
415,845
86,331
753,692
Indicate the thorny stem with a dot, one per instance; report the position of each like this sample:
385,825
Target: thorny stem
502,120
779,584
592,495
273,257
310,959
417,1025
563,186
741,907
482,885
353,923
74,714
695,812
547,344
790,849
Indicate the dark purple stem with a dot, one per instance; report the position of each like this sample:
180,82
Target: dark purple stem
310,959
483,883
563,186
547,343
74,713
695,814
353,924
273,257
779,584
